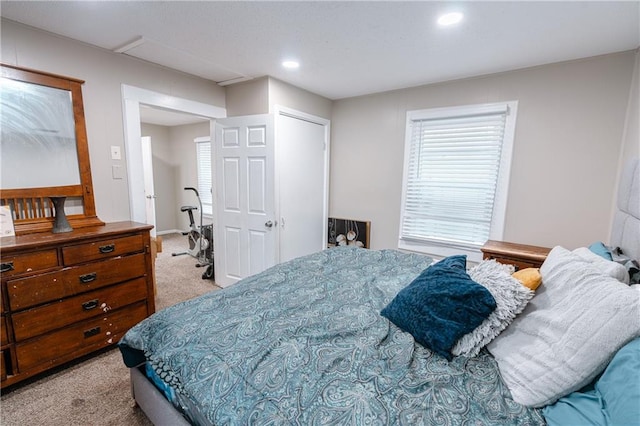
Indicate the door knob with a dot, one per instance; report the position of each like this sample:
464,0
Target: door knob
268,224
151,196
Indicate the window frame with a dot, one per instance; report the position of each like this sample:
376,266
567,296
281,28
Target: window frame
447,248
207,208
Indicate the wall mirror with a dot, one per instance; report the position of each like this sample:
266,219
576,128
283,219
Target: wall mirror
44,151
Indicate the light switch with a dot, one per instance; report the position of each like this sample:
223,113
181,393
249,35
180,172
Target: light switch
115,152
116,172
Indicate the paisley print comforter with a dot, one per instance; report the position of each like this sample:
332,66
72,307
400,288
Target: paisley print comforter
303,343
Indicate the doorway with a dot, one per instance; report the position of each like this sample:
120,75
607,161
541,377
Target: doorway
170,160
135,101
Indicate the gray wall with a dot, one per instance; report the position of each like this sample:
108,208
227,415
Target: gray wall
248,98
568,140
104,73
261,95
286,95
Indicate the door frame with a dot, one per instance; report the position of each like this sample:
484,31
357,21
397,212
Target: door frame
132,97
280,111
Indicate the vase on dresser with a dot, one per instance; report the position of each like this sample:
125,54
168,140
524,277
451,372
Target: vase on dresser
60,223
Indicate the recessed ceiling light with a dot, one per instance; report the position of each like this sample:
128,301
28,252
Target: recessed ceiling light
291,64
450,18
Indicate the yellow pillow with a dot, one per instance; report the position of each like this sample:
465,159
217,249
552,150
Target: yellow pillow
529,277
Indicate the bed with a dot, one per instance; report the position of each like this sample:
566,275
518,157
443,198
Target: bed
338,337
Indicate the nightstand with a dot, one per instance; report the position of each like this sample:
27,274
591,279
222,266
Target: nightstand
519,255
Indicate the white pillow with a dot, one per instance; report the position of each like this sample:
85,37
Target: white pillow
511,298
609,267
568,332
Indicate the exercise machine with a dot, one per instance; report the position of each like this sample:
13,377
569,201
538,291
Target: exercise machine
199,238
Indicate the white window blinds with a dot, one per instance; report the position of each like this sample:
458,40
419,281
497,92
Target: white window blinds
452,173
205,183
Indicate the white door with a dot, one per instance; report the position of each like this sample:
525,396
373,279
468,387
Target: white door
245,238
147,172
302,169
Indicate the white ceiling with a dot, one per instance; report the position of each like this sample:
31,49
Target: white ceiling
345,48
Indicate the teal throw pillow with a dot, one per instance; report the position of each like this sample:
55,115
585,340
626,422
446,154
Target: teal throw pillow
441,305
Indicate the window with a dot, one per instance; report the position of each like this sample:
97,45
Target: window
205,183
456,175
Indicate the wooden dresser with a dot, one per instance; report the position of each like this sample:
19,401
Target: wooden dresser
67,295
519,255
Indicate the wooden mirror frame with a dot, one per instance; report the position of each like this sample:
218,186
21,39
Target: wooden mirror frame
31,208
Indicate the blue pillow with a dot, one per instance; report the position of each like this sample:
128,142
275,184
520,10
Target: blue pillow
601,250
613,399
619,385
441,305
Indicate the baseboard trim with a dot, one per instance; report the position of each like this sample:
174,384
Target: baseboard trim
170,231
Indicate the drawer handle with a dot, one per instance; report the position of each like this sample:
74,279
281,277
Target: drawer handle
6,267
109,248
87,278
91,332
91,304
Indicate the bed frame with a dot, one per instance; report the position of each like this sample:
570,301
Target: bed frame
625,232
152,402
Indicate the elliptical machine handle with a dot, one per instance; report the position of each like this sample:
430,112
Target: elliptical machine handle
189,188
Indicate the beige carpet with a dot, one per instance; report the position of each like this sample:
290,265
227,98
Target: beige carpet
95,391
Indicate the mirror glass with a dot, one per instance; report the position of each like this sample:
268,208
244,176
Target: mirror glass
37,128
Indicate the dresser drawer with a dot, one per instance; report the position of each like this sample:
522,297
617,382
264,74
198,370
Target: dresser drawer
517,263
36,321
4,334
28,262
31,291
102,249
79,339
